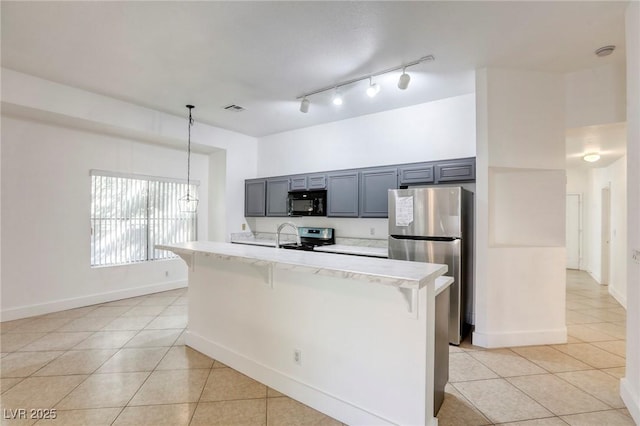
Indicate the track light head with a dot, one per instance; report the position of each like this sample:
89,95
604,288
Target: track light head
337,98
304,105
373,89
403,81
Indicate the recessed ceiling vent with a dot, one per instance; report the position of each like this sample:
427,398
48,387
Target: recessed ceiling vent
234,108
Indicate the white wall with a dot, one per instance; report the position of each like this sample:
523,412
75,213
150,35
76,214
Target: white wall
596,95
520,208
51,136
431,131
630,385
46,210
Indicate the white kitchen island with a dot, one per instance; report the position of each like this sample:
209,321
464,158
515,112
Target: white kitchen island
353,337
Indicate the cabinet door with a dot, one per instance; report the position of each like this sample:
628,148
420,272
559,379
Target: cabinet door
254,201
374,185
457,170
317,182
277,191
342,194
298,183
415,174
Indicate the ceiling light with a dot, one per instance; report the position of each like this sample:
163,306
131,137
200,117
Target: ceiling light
189,203
304,105
591,157
605,50
373,89
403,81
337,98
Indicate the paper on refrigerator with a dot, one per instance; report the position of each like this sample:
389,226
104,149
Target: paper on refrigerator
404,211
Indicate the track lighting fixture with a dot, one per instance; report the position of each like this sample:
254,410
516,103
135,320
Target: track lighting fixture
337,97
403,81
372,90
304,105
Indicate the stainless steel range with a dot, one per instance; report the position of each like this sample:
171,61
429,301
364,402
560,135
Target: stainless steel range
312,237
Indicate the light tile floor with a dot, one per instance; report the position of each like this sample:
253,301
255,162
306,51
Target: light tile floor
125,363
572,384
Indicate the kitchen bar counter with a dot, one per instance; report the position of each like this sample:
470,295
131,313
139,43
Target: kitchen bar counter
396,273
363,340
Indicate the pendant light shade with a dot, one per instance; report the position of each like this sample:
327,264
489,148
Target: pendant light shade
189,203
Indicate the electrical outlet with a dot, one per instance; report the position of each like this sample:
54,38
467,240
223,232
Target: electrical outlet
635,255
372,231
297,356
244,226
166,273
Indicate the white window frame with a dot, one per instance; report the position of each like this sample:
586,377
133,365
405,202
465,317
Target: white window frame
125,229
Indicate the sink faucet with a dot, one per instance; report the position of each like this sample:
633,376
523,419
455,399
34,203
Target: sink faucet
282,225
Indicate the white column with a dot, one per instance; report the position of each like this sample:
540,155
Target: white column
630,385
520,202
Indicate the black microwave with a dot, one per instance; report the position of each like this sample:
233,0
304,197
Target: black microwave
307,203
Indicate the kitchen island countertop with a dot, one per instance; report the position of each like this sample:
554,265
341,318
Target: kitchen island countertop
396,273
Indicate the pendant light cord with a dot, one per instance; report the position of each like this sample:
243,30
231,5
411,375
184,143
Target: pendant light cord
189,151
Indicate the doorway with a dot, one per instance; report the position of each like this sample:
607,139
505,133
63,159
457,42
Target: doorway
574,231
605,238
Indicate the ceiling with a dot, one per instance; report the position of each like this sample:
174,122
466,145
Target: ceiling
263,55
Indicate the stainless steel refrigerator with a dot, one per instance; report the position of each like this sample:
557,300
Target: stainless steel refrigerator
435,225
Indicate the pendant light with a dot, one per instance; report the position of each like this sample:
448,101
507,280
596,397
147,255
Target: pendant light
189,203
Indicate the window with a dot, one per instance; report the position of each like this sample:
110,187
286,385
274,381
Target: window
130,214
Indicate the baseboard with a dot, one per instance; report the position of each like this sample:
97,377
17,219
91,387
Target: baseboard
520,338
620,298
78,302
324,402
630,400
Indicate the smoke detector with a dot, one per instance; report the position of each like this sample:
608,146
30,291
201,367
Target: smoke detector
605,50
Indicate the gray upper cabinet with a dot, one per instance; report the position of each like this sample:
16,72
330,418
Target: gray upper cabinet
308,182
456,170
342,194
254,201
315,182
416,174
374,185
353,193
277,191
298,183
